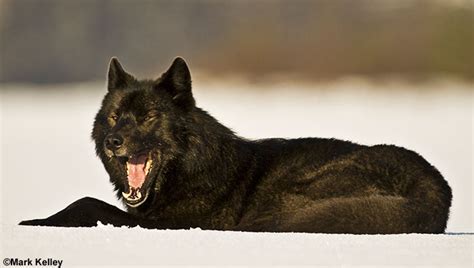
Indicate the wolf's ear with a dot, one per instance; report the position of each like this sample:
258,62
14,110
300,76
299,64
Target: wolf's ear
117,77
177,82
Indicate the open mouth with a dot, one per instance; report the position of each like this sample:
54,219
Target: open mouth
139,168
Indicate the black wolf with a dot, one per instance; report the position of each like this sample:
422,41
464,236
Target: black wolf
175,166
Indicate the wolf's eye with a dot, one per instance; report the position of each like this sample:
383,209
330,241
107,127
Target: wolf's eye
150,116
112,119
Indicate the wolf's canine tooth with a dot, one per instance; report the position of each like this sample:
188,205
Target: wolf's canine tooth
148,166
133,194
126,195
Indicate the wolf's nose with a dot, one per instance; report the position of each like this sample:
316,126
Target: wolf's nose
113,142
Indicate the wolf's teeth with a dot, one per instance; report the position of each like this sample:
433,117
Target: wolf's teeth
126,195
139,195
148,166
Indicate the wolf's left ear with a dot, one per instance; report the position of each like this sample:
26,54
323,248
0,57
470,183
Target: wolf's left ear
117,77
177,82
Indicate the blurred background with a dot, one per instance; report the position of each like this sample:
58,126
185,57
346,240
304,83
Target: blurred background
53,41
390,71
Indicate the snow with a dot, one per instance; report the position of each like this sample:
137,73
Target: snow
105,245
47,161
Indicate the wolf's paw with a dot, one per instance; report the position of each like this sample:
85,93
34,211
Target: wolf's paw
62,220
32,222
84,212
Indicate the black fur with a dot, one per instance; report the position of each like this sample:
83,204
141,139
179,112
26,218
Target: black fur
205,176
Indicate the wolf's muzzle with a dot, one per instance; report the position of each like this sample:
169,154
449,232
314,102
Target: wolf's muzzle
113,142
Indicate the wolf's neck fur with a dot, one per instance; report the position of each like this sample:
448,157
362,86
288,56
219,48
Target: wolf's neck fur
214,149
212,174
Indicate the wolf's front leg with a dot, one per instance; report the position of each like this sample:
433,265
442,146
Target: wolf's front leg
86,211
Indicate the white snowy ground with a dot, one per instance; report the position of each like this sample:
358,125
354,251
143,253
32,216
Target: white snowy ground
47,161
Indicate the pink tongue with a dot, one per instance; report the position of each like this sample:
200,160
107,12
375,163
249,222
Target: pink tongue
136,170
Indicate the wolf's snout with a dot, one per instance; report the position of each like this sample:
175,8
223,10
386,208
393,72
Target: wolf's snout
113,142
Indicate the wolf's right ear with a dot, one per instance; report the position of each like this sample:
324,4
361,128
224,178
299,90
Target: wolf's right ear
117,77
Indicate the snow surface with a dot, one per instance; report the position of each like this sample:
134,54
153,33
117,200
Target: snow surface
105,245
47,161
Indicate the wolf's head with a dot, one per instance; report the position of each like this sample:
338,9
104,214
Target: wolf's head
140,127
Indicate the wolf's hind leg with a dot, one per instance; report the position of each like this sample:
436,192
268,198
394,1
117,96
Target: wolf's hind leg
357,215
375,214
